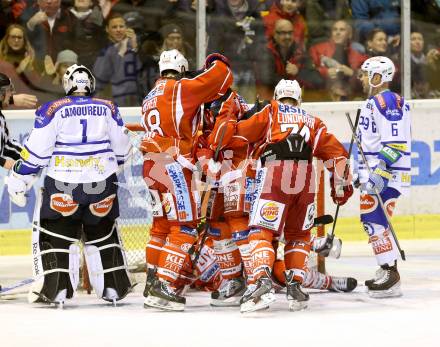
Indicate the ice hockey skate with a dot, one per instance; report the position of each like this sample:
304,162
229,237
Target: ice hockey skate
229,294
386,283
151,275
342,284
258,296
163,297
296,297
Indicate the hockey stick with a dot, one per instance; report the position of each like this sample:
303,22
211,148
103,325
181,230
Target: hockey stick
330,236
379,198
346,170
22,283
196,248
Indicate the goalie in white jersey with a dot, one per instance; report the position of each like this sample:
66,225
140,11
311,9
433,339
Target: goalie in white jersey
385,133
82,141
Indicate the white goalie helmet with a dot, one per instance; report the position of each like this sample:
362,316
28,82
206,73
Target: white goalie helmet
78,79
379,65
172,60
288,89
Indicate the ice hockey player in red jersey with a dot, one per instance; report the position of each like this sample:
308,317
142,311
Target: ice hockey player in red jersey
285,191
171,116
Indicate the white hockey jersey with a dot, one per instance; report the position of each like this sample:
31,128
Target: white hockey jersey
385,133
81,140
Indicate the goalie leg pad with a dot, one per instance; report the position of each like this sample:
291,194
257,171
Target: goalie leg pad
105,252
55,258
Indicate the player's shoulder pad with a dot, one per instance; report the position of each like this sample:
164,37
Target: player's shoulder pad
390,105
44,114
113,108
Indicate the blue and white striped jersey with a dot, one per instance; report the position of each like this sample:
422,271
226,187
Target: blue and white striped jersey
81,140
385,133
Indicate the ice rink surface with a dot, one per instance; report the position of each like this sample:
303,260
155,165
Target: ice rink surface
332,319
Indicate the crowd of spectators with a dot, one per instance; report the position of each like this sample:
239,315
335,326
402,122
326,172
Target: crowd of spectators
321,43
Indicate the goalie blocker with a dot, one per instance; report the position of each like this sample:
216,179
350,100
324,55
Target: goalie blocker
67,211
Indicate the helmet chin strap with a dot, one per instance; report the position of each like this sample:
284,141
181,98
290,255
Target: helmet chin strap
373,85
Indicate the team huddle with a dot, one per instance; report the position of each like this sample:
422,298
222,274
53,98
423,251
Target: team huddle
232,188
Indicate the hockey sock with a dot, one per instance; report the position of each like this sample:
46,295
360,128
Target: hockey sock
262,253
295,257
382,242
226,251
158,234
174,253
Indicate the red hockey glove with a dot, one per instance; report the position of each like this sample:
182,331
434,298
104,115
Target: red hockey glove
210,59
341,190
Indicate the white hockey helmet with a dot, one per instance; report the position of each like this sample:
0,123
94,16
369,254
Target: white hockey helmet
78,79
379,65
288,89
173,60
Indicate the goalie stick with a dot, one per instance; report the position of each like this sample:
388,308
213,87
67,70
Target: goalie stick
379,198
22,283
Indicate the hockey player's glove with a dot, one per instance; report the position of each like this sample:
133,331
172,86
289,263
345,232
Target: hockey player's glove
210,59
342,190
379,179
18,185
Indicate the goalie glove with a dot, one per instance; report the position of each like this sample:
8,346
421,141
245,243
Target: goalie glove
18,185
379,179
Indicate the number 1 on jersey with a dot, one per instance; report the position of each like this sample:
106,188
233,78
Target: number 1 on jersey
83,122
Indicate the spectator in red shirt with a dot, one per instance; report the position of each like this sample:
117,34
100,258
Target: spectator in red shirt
337,61
284,59
286,9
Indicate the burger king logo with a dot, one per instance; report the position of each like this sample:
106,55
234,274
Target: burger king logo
269,212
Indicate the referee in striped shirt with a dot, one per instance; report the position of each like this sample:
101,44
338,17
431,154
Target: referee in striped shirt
10,149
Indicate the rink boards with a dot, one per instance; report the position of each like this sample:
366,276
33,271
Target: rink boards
416,216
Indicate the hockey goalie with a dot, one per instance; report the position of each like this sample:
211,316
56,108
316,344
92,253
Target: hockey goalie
82,141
